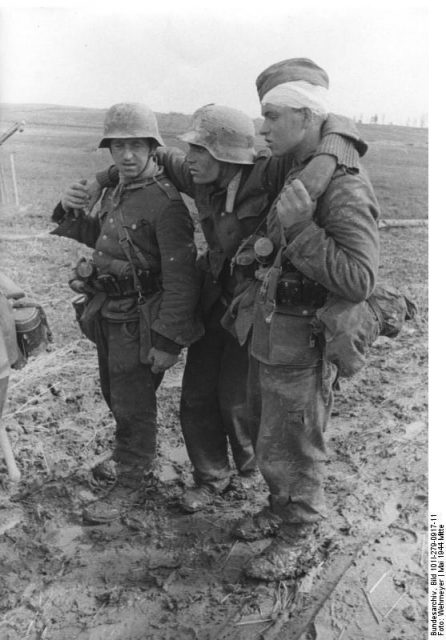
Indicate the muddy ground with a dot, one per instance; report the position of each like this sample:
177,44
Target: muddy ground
161,574
158,574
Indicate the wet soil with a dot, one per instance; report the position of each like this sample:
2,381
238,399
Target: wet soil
157,573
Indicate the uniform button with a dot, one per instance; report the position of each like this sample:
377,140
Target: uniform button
104,237
166,184
100,253
304,312
111,220
133,226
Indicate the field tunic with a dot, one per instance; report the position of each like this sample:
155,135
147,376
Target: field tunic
290,383
260,183
159,225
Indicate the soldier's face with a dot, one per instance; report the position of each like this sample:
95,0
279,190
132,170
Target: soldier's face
204,168
130,156
283,128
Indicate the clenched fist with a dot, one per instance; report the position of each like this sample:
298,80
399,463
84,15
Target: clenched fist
81,195
160,361
294,205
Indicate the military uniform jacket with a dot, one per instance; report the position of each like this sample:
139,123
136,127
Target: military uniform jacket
260,183
159,225
337,249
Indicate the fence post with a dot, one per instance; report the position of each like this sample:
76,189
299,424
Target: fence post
14,181
3,192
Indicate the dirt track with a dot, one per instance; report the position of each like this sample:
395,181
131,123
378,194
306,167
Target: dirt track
162,575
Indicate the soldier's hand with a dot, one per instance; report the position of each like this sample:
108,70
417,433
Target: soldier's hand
76,196
294,204
160,361
317,174
81,195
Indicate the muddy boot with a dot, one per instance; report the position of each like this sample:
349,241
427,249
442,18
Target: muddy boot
129,479
289,555
131,476
105,471
245,481
255,527
101,512
197,498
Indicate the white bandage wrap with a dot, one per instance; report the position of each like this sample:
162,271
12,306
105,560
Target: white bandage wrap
297,95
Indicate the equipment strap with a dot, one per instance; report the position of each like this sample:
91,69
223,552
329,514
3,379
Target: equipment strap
125,241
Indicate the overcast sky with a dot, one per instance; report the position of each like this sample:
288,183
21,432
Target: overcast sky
186,55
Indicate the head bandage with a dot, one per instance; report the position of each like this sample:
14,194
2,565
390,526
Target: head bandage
297,95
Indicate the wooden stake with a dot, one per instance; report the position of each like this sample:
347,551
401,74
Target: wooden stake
14,181
3,194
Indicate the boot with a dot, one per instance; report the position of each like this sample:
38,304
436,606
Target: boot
289,555
105,471
129,480
255,527
197,498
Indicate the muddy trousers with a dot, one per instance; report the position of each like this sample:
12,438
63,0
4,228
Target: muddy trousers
213,409
129,388
290,409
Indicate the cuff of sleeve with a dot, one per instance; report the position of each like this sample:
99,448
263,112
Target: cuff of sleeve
343,149
60,214
164,344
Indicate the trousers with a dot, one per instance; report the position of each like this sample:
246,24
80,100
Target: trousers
129,389
213,406
290,408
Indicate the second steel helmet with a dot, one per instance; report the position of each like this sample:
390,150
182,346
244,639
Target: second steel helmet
130,120
228,134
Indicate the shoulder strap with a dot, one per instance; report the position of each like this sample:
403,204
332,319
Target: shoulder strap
167,187
125,241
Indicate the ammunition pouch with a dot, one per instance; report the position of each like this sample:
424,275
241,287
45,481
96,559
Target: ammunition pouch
124,286
294,289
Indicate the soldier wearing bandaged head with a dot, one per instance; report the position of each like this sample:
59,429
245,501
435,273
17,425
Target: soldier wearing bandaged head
327,245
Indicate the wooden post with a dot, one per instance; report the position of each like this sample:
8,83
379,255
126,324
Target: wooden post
14,181
3,193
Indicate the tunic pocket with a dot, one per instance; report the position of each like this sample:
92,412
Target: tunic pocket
284,337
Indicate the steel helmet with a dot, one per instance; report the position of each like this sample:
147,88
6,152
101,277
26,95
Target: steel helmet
130,120
228,134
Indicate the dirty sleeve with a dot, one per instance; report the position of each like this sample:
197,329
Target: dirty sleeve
83,228
176,167
339,248
177,315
